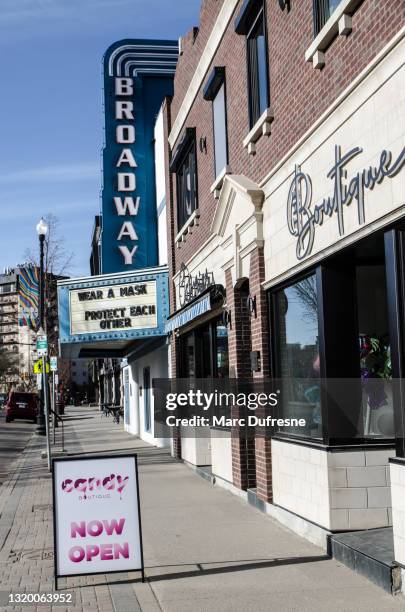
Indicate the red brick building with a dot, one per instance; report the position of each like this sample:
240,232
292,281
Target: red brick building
284,172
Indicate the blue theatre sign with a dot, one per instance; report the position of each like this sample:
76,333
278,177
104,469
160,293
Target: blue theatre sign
105,315
138,74
110,314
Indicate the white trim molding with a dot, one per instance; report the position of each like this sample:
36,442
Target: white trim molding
260,128
340,22
217,184
217,33
187,227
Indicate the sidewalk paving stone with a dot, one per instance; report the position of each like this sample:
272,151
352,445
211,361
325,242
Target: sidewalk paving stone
205,549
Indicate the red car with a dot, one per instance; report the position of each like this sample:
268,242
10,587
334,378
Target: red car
21,406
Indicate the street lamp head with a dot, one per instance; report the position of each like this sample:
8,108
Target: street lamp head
42,228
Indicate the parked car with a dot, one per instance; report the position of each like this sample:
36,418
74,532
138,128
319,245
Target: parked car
22,406
3,399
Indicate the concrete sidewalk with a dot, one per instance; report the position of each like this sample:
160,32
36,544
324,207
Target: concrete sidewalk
205,549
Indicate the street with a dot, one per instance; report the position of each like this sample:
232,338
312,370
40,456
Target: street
13,438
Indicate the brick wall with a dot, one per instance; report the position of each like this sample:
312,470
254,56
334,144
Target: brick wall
239,347
299,93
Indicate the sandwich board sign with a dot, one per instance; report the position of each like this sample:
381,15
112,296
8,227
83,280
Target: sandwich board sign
96,512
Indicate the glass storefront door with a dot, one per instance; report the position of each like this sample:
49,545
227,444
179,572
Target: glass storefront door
204,351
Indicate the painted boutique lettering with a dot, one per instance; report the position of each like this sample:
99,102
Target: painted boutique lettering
111,482
190,286
302,220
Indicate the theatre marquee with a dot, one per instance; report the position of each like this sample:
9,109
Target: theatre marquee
109,312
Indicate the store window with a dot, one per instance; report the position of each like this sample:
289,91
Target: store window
332,347
187,186
188,355
377,411
204,351
221,350
297,354
323,9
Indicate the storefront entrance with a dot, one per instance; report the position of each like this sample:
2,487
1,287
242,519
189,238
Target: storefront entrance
203,354
204,351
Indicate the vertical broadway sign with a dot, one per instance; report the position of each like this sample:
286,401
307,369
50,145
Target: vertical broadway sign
138,74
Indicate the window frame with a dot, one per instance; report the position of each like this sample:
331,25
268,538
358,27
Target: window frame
181,217
260,14
321,13
216,81
327,439
217,174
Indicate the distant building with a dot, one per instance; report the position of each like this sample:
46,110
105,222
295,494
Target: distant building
15,338
79,372
19,323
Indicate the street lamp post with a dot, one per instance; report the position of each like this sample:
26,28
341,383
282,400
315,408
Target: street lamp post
42,229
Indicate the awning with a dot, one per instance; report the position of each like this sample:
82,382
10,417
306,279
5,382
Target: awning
189,313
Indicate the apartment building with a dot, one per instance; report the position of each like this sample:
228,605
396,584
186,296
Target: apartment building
16,340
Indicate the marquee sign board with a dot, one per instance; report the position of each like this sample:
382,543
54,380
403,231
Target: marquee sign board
113,308
97,522
138,74
127,306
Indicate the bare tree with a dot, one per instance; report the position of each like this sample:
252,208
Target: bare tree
57,260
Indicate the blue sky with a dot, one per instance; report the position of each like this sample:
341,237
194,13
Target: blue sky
51,114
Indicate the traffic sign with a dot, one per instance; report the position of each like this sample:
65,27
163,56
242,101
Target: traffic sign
38,368
42,345
54,363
